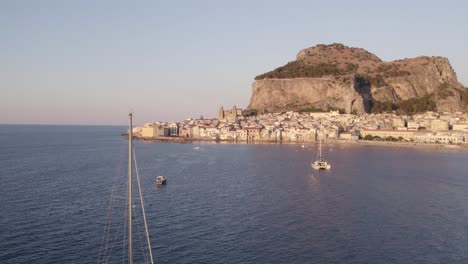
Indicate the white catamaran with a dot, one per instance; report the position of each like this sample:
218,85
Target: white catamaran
320,163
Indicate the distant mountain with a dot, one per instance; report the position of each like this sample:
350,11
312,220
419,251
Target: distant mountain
354,80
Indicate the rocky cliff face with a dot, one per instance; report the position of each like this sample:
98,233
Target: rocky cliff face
427,76
274,95
352,79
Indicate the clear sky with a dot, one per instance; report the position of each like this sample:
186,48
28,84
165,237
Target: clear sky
90,62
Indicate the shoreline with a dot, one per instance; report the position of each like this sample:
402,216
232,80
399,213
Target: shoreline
402,144
179,140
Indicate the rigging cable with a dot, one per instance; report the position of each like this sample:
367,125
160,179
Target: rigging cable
125,233
143,209
114,240
103,250
142,243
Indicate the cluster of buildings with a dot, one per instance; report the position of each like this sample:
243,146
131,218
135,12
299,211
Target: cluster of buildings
231,125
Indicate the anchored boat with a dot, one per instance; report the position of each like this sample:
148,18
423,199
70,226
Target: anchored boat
161,180
320,163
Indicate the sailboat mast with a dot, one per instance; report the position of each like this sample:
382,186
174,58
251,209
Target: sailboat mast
320,148
130,202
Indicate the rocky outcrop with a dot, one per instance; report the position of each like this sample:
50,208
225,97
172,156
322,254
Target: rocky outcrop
275,95
352,79
428,76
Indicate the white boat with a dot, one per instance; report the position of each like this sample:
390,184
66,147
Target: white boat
161,180
320,163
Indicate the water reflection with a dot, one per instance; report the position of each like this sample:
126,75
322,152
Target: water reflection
313,182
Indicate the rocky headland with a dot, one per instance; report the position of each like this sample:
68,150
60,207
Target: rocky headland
353,80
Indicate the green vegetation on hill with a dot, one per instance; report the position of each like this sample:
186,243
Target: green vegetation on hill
310,110
410,106
338,46
465,98
417,105
317,110
444,91
391,70
251,112
381,107
377,138
297,69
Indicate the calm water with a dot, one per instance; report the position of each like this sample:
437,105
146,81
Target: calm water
229,203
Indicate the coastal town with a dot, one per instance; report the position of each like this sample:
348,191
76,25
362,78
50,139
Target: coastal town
232,126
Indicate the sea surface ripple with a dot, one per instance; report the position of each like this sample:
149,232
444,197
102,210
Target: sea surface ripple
228,203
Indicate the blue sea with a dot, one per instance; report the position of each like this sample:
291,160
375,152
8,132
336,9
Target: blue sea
227,203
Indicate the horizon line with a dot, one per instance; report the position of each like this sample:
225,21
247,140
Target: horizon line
51,124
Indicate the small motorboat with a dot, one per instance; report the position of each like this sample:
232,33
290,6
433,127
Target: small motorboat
161,180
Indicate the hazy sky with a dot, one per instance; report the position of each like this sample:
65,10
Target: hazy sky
90,62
